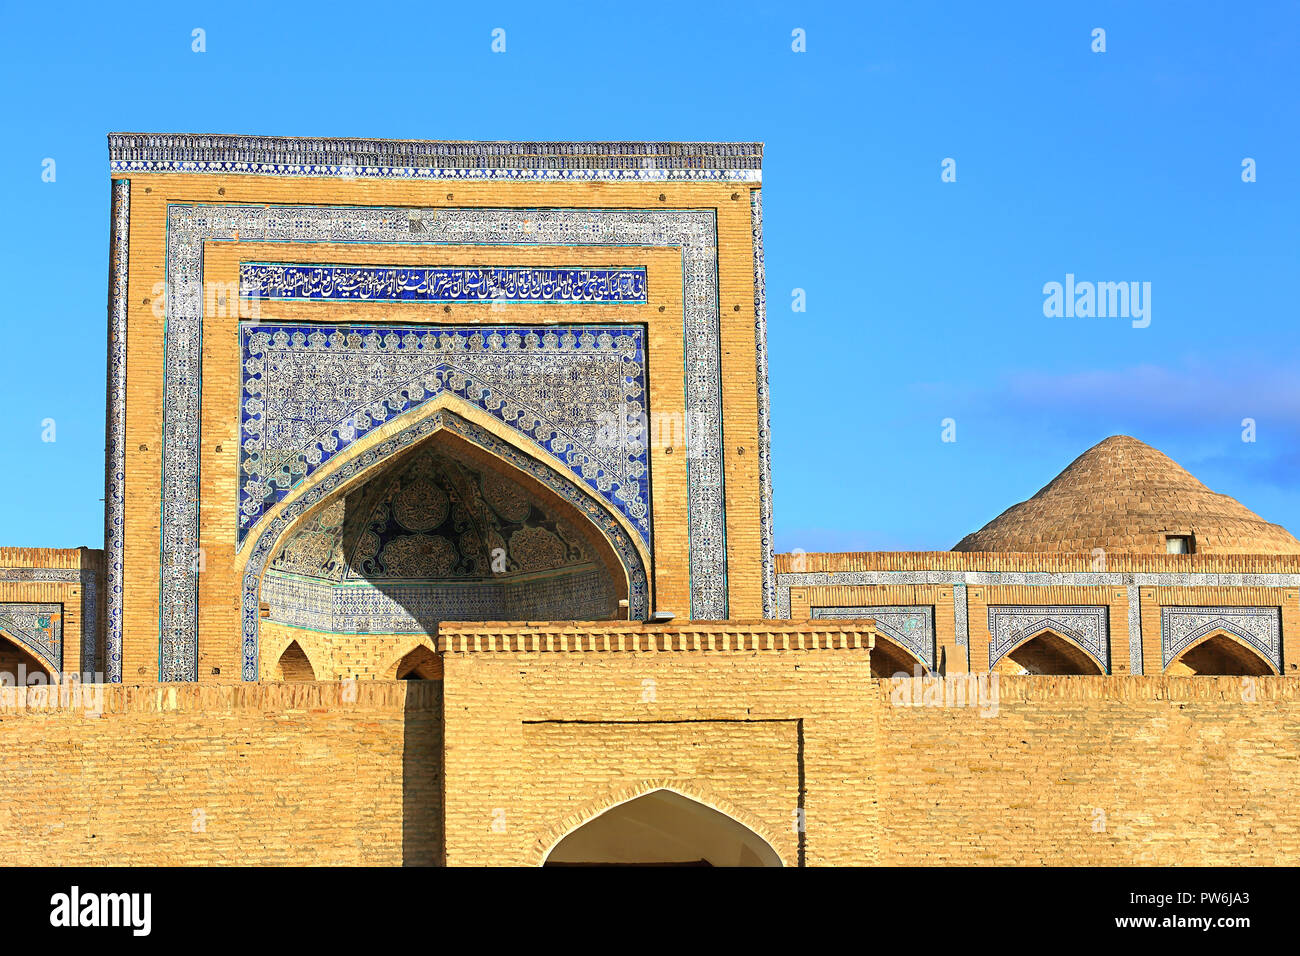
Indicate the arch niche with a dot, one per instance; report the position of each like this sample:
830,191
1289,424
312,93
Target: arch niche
442,517
662,828
16,659
1220,653
1049,653
889,658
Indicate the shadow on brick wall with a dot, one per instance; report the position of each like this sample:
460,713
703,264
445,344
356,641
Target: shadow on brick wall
422,775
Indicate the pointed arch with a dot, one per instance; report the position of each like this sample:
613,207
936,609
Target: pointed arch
1048,652
31,637
17,658
454,421
660,826
1242,630
889,657
1049,639
419,663
1221,653
904,636
294,664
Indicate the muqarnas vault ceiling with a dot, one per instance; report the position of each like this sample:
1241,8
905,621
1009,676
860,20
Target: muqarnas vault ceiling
435,537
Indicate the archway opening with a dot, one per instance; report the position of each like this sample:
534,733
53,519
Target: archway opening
662,828
1048,653
444,531
19,667
294,664
420,664
889,660
1219,655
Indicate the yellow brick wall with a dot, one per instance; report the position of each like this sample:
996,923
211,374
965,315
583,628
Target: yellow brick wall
1183,771
546,727
544,739
339,656
257,774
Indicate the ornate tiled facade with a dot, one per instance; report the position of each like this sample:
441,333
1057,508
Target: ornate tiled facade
1260,627
910,627
1134,618
189,227
1085,626
690,233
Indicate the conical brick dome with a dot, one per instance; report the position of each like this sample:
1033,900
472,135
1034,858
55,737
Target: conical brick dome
1125,496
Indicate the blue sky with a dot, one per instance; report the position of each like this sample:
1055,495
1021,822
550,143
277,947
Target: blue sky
924,298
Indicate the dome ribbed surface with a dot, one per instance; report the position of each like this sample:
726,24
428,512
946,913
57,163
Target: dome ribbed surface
1123,495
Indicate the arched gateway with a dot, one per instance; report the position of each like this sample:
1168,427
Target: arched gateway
446,519
662,828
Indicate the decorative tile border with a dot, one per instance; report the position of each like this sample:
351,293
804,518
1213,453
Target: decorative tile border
766,534
115,452
43,575
38,627
336,283
1086,626
1260,627
419,159
309,391
961,619
413,608
910,626
1134,596
259,554
90,624
693,232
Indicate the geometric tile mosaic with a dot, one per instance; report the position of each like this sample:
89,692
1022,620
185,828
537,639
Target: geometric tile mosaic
766,543
115,436
409,608
397,159
311,391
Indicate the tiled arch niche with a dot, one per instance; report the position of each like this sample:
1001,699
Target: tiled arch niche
607,538
433,535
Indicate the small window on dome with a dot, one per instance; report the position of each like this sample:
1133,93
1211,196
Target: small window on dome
1178,544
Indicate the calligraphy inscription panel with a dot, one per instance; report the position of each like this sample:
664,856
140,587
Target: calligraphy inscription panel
295,281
